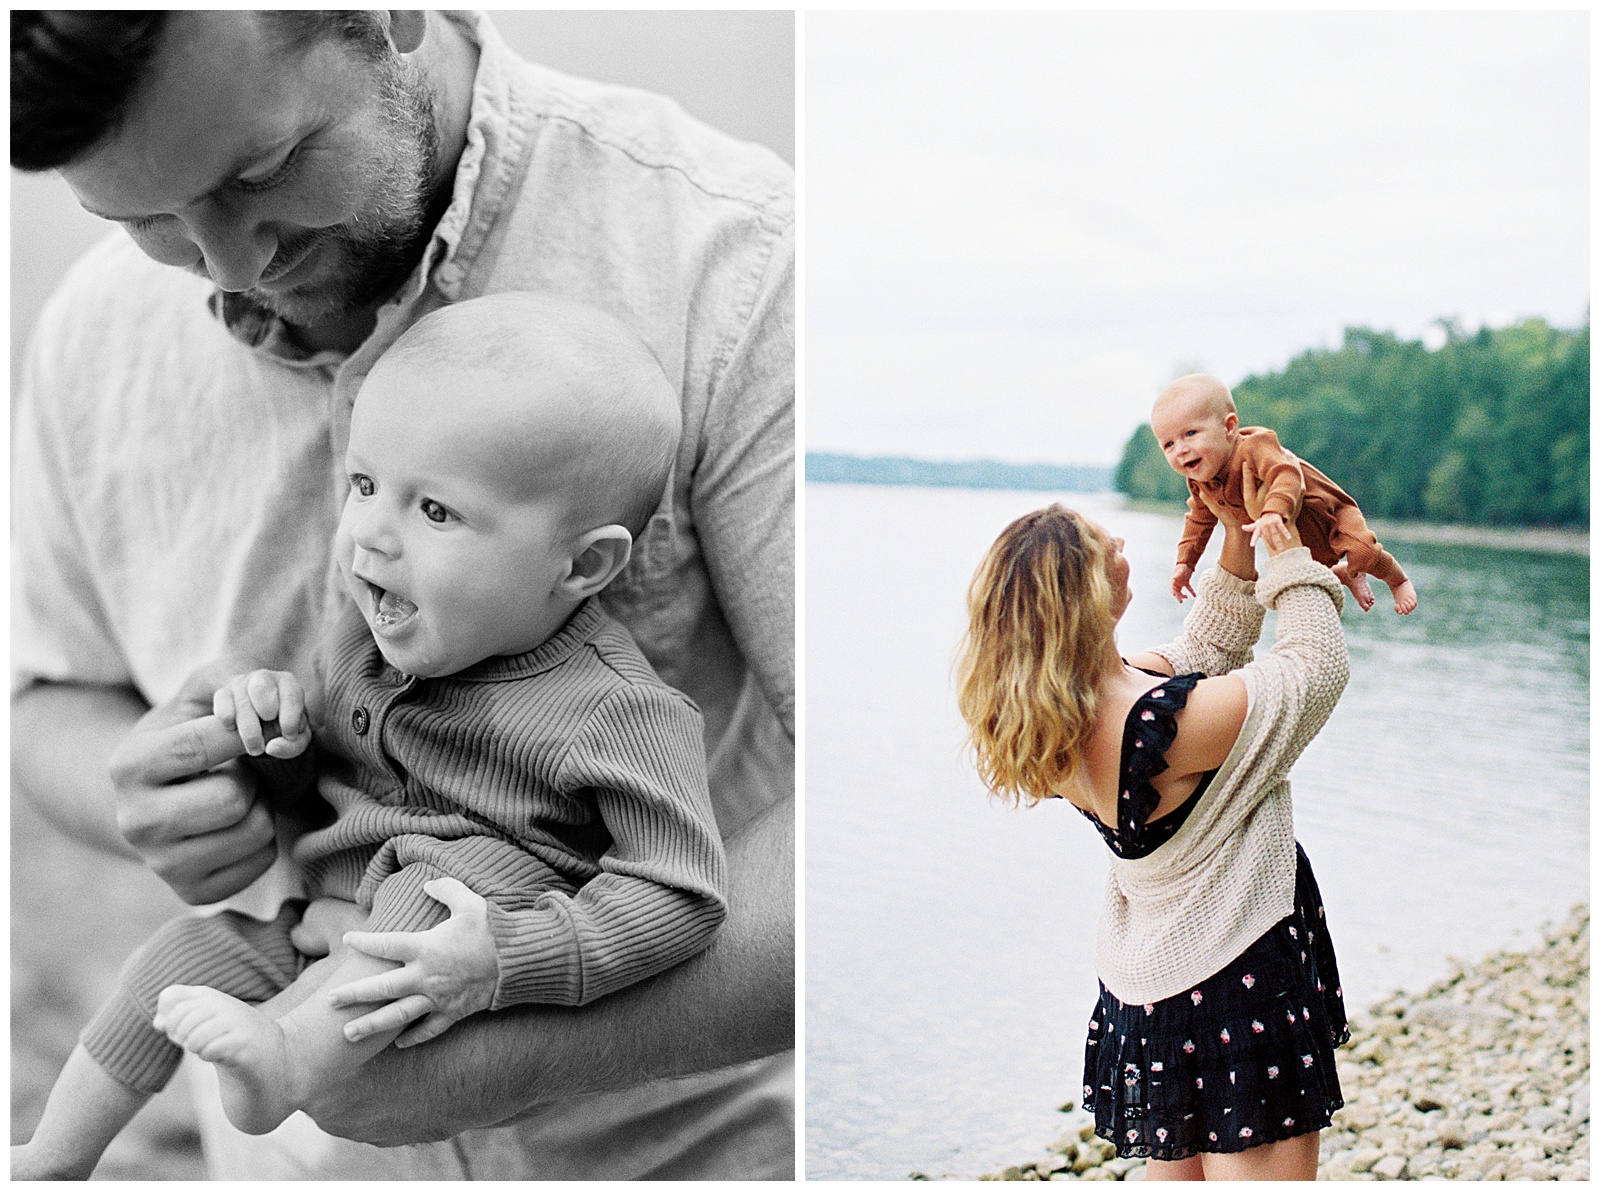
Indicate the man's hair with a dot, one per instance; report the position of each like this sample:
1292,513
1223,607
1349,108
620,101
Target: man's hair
1039,622
74,72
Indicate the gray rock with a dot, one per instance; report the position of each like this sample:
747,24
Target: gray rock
1439,1012
1391,1167
1539,1119
1580,1102
1452,1135
1363,1159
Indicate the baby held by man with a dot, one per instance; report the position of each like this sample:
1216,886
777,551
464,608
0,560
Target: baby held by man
498,776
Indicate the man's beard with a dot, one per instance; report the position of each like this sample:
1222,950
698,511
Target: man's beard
376,250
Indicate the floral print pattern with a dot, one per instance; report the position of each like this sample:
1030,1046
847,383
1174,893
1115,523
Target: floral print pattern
1243,1059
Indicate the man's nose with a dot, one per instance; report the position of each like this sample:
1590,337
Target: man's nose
236,251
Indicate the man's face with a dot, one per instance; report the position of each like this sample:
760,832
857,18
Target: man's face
300,177
1195,437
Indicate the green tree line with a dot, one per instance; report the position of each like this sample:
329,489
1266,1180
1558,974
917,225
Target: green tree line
1492,428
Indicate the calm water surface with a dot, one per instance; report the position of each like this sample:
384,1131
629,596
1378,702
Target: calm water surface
948,940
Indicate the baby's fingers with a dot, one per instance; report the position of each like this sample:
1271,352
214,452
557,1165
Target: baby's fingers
291,707
288,746
392,1016
245,719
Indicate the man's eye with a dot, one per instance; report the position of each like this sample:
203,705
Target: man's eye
434,511
276,176
363,484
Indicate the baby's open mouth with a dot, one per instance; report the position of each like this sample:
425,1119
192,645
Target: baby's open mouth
390,609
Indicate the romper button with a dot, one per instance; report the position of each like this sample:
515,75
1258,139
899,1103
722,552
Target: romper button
358,721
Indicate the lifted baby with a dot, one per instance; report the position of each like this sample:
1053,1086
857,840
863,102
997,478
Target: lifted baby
1197,428
515,796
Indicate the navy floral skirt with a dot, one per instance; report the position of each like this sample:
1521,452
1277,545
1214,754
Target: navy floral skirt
1243,1059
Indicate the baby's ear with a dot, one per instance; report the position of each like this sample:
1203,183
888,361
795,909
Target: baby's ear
597,558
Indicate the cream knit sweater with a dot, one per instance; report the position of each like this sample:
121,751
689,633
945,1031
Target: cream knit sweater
1192,906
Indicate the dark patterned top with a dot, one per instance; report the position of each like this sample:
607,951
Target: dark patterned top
1151,728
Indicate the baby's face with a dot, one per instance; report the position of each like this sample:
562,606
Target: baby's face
450,549
1196,439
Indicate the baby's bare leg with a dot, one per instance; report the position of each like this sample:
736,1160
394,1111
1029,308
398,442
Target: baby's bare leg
84,1113
268,1065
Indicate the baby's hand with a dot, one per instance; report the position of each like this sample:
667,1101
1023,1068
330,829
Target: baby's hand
246,701
1273,528
1180,581
450,971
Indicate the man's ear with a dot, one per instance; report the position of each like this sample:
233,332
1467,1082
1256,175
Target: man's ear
597,559
407,28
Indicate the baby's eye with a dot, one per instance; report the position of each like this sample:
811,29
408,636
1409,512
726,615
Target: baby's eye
435,512
363,484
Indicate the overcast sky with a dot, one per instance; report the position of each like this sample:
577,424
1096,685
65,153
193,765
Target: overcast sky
1020,225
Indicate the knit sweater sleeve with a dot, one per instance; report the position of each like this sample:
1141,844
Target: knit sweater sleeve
1221,628
1309,663
659,896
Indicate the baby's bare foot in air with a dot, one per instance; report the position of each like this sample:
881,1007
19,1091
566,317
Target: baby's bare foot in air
1405,597
1357,583
249,1050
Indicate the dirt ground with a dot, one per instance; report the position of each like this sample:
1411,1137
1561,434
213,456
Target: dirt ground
75,915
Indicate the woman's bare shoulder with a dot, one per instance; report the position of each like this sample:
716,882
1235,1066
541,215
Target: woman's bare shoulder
1209,724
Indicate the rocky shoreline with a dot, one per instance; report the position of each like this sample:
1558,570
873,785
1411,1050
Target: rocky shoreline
1483,1076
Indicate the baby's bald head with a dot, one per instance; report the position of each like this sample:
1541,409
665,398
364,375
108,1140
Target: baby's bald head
566,400
1197,393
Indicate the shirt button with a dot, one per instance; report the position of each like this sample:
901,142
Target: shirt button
359,721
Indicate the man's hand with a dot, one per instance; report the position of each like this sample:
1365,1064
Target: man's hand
1180,581
250,703
1271,528
200,828
450,971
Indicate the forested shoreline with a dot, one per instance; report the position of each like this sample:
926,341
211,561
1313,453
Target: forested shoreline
1490,428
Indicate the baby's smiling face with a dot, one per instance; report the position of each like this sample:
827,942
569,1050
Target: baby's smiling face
449,544
1194,434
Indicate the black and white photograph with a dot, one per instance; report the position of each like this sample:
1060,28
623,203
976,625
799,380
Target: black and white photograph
403,505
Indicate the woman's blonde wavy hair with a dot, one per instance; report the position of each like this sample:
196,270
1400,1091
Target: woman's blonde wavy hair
1039,622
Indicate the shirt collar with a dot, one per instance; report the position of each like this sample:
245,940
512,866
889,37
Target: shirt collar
483,186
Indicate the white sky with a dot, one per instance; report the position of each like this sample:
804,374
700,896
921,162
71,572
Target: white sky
1019,225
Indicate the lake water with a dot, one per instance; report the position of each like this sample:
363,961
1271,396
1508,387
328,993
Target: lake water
948,968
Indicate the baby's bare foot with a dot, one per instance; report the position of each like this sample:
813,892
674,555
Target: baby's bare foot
1357,583
249,1050
1405,597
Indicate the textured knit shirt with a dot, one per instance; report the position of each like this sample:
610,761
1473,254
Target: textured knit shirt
1193,905
566,785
